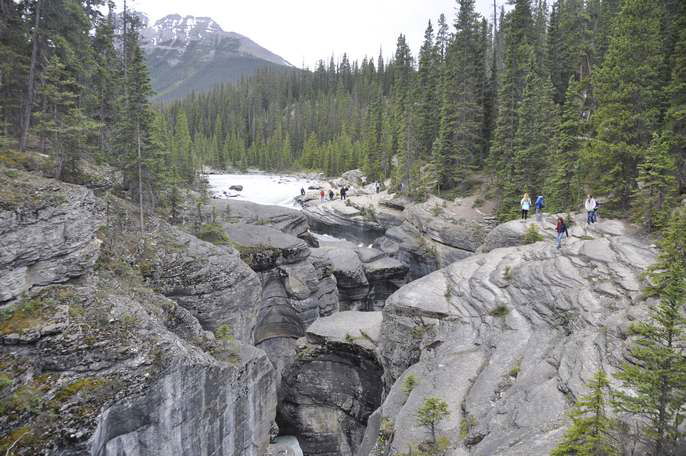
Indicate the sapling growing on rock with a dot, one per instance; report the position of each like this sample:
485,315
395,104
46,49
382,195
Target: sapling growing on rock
431,413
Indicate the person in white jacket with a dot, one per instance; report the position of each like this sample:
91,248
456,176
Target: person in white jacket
525,203
590,205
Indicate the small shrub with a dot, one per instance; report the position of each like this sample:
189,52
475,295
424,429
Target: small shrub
349,339
419,330
11,173
5,381
532,235
507,273
499,311
514,371
478,202
409,384
436,210
224,333
214,233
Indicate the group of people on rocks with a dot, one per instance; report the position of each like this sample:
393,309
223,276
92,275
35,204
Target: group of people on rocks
343,193
590,205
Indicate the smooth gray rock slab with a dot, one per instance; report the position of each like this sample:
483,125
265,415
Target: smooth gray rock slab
507,337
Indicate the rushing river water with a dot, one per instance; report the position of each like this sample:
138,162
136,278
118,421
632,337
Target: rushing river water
268,189
260,188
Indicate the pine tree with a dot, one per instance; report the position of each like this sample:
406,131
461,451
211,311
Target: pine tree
655,380
534,139
563,188
61,122
518,29
589,434
656,185
627,88
461,122
426,102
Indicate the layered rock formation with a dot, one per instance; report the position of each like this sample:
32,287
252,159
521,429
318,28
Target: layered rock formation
334,384
94,361
508,339
433,235
48,234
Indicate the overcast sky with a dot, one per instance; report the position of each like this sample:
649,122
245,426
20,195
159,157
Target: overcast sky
304,31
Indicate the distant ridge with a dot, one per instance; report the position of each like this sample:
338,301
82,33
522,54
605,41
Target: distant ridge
188,53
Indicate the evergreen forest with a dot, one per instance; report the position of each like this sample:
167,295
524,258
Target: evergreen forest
563,99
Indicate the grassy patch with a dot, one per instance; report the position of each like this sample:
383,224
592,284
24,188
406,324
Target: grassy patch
84,386
436,210
409,383
515,369
500,311
467,423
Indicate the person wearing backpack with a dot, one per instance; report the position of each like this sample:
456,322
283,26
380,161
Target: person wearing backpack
561,229
539,204
525,203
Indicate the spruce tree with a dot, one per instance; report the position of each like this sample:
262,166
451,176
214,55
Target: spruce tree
518,29
627,88
655,380
535,136
590,432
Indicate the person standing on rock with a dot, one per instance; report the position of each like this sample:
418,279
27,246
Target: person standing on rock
540,202
590,205
377,186
302,191
344,193
561,229
525,203
331,195
321,196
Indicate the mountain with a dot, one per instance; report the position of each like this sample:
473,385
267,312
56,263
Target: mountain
187,54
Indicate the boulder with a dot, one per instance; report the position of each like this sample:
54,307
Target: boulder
288,221
351,280
334,385
238,188
340,219
263,247
355,177
507,337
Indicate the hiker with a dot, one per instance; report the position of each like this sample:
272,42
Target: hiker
377,186
561,229
321,196
591,206
344,193
302,191
540,202
526,205
331,195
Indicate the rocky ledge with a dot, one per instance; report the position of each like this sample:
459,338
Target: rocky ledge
508,339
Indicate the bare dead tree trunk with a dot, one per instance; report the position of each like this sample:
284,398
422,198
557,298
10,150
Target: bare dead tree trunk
28,104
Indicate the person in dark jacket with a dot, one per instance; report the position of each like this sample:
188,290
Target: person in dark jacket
302,191
331,195
344,192
561,229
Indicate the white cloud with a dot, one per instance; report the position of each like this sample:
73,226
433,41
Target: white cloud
304,31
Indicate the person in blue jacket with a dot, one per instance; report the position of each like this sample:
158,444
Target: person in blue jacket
540,202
